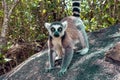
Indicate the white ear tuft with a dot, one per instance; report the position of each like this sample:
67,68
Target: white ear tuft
65,24
47,25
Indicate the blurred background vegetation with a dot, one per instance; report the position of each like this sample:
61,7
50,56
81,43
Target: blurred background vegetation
27,20
28,17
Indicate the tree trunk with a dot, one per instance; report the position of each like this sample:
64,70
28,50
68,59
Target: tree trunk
3,41
6,19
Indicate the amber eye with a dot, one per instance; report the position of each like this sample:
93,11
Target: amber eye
59,29
53,29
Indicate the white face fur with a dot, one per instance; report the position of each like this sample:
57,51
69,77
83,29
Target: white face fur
56,29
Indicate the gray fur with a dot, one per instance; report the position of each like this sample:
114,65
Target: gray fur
64,43
63,47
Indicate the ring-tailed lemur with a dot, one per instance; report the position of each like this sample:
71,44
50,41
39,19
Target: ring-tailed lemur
63,37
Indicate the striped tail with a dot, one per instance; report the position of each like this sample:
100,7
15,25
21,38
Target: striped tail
76,8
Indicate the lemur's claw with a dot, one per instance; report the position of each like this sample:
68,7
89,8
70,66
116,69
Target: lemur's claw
48,70
61,73
83,51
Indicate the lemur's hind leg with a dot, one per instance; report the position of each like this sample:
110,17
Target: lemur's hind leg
84,42
82,37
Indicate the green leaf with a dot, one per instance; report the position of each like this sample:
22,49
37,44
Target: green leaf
1,13
92,20
112,20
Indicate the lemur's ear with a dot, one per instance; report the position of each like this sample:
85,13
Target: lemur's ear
64,24
47,25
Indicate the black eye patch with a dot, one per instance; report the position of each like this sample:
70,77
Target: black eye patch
53,29
59,29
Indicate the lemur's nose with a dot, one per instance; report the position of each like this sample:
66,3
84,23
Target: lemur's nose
56,34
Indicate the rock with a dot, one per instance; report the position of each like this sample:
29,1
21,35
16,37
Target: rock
91,66
113,54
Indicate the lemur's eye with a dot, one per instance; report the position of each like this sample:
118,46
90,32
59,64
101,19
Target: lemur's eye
59,29
53,29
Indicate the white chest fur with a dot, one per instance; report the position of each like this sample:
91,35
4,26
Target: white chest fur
57,46
57,42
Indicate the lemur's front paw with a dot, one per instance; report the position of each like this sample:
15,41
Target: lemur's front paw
83,51
61,72
48,69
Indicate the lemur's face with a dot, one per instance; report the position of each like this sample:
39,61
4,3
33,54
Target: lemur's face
56,29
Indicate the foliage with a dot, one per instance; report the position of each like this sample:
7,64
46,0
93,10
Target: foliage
28,18
1,15
100,13
3,60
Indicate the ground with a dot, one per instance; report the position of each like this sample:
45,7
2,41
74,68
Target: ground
91,66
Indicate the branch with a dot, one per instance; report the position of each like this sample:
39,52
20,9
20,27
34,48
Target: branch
4,4
12,7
